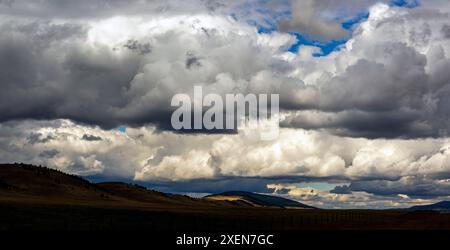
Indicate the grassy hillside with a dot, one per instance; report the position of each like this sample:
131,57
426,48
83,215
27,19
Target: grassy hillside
257,200
39,185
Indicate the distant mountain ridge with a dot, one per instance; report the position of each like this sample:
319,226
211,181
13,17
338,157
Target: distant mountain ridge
259,200
440,206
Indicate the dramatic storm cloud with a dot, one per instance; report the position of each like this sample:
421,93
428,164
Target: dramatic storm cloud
86,87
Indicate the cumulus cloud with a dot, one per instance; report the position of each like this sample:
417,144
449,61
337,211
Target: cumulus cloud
306,19
323,19
85,9
124,70
381,166
88,137
49,153
388,80
360,200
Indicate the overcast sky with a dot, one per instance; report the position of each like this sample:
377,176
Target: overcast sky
364,92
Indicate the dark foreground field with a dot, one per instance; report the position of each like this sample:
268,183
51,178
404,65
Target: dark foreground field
131,228
84,217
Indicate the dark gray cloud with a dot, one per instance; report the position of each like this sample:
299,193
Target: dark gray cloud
446,31
397,88
413,186
344,189
192,61
88,137
51,71
49,153
391,124
36,138
213,186
216,185
136,46
105,8
7,3
41,80
400,92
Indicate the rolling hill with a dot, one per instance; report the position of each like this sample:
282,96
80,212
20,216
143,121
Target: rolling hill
23,181
440,206
41,185
257,200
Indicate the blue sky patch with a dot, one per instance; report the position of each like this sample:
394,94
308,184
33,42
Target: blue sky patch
323,186
122,129
405,3
268,26
325,48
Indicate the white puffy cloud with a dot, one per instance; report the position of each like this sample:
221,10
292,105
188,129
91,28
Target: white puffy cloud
125,69
359,200
306,19
322,19
146,154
